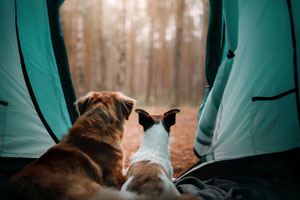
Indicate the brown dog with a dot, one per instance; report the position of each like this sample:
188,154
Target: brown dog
88,157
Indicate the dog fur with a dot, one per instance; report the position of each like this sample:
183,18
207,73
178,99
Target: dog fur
150,171
88,158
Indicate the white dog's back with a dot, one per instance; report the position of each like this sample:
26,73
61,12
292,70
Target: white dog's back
150,172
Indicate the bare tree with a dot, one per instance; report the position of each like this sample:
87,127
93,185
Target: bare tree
79,48
121,74
89,22
132,49
151,13
179,9
200,75
163,16
99,60
68,22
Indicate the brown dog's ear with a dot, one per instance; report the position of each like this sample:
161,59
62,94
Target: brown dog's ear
127,108
126,104
144,119
82,104
170,118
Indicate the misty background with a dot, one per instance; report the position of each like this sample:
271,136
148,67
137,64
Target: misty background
151,50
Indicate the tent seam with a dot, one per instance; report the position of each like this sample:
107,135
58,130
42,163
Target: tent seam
262,98
3,103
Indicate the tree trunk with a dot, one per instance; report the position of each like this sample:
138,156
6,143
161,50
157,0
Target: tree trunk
151,11
79,49
121,74
99,62
88,40
179,9
132,57
201,83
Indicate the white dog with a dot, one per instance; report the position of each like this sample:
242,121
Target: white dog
150,171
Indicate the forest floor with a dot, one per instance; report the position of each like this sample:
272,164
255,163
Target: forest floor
182,137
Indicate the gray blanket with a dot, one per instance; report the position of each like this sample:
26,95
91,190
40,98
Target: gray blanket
273,176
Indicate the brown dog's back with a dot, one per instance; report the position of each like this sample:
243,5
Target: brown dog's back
88,157
63,171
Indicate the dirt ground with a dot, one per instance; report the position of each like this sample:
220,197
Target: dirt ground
181,142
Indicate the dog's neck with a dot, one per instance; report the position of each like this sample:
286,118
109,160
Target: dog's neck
101,119
154,148
96,127
104,119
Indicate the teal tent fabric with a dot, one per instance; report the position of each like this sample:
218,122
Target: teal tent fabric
252,107
215,41
35,112
216,48
36,46
295,31
61,56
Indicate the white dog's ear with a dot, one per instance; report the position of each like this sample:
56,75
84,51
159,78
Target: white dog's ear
144,119
170,118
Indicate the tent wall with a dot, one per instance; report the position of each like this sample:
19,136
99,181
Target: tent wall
215,40
295,31
252,106
61,56
215,46
36,114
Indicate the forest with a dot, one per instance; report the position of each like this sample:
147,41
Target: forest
151,50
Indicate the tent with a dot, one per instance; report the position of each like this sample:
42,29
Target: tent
253,104
251,112
252,71
36,92
248,131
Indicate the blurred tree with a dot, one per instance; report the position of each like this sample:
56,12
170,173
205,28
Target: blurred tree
201,79
132,36
151,10
99,62
153,50
164,9
121,73
179,10
79,47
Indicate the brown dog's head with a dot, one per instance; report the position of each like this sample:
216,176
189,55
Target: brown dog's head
106,108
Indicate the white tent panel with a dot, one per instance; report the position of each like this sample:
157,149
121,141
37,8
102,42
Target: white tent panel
21,127
256,112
